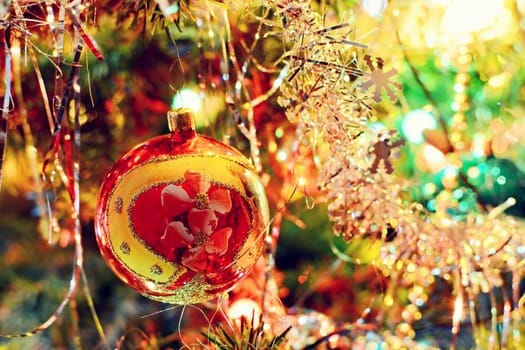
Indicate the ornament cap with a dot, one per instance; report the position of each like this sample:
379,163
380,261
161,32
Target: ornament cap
181,123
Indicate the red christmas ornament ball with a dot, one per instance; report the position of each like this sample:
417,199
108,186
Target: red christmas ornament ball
181,218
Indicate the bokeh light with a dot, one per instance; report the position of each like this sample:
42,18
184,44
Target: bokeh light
187,98
415,122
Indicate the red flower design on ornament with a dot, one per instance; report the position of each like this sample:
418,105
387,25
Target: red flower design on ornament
200,201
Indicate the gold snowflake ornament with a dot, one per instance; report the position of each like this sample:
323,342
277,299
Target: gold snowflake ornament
381,79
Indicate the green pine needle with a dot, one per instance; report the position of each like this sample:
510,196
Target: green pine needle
246,336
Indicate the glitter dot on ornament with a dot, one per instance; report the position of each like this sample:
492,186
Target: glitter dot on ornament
181,218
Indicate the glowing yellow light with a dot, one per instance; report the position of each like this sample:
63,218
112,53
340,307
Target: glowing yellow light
245,308
272,147
15,48
455,137
460,98
187,98
282,156
411,268
374,8
473,172
415,122
435,160
405,329
389,301
462,78
481,14
499,80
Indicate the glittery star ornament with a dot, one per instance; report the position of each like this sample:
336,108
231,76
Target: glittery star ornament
182,217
